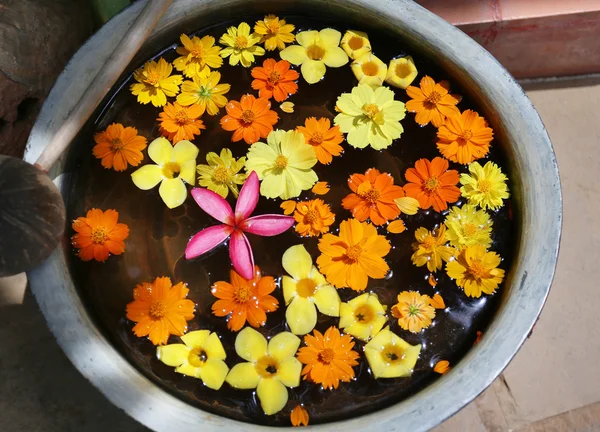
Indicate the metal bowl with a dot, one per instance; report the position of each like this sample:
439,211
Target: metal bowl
535,188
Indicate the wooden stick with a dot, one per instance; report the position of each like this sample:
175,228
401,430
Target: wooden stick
103,81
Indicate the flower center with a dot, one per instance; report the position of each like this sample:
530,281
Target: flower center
364,314
315,52
402,70
197,357
432,184
281,162
370,68
392,354
429,242
316,139
171,170
197,51
484,185
466,136
433,98
243,294
247,116
267,367
469,230
221,175
205,92
355,43
414,310
306,287
157,311
371,110
311,217
117,144
99,235
152,78
326,356
272,25
372,195
241,42
274,78
353,253
181,118
477,270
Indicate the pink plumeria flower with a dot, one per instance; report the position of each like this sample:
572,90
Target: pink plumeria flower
234,225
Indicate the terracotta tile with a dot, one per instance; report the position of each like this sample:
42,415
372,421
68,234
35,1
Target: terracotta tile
519,9
586,419
460,12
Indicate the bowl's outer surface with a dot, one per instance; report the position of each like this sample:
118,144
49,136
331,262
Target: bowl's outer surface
535,188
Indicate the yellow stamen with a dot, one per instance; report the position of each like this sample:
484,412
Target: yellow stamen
484,185
281,162
316,139
241,42
157,311
433,98
243,294
432,184
311,217
371,110
221,175
353,253
99,235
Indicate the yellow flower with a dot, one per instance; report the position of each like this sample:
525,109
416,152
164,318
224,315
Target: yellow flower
197,55
284,164
241,45
389,356
370,117
429,248
201,355
270,368
155,83
355,44
316,50
369,70
275,32
362,317
475,270
174,166
413,311
485,187
468,226
221,173
401,72
305,291
205,91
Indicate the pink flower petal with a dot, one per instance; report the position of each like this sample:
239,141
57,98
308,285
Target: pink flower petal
206,240
248,198
241,256
267,225
214,205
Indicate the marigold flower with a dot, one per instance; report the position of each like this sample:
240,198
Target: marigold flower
197,55
369,70
222,174
401,72
299,416
484,186
468,226
432,102
362,317
99,234
313,218
442,367
432,183
464,137
180,123
250,119
275,32
390,356
118,146
155,83
241,45
355,43
475,270
430,248
321,188
205,91
414,311
324,139
275,79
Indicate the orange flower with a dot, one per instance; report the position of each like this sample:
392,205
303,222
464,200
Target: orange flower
373,197
350,259
99,234
160,310
245,300
324,138
299,416
328,358
320,188
442,367
432,184
118,146
313,218
180,123
414,311
432,102
275,79
464,137
250,119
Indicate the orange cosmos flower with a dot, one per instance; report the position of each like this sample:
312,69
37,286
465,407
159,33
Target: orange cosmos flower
275,79
328,358
99,234
325,139
160,310
432,184
250,119
118,146
350,259
313,218
373,197
464,137
245,300
299,416
414,311
180,123
432,102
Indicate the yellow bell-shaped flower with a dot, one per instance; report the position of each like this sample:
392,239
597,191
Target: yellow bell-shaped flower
355,44
362,317
401,72
369,70
389,356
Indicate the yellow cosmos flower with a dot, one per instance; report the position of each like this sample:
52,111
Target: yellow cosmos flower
241,45
305,290
155,83
316,50
414,311
485,186
468,226
362,317
401,72
197,55
369,70
174,166
355,44
390,356
201,355
275,32
475,270
205,91
270,367
221,173
284,164
370,117
430,248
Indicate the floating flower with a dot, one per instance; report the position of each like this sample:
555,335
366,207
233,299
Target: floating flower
464,137
275,79
437,301
432,102
155,83
430,248
328,358
414,311
313,218
485,186
299,416
355,43
468,226
245,300
287,107
362,317
174,166
401,72
442,367
369,70
270,367
305,290
180,123
275,32
160,310
222,174
324,139
201,355
205,91
99,234
370,117
390,356
197,55
234,225
321,188
250,119
118,146
288,207
396,227
284,164
350,259
475,270
316,50
432,183
241,45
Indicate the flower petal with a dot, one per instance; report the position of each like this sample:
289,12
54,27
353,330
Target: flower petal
173,192
250,344
173,355
160,151
407,205
248,198
213,373
295,54
330,38
301,315
195,339
283,345
289,372
188,172
243,376
213,347
267,225
272,395
213,204
297,262
189,370
313,70
240,253
147,176
327,300
335,57
184,151
206,240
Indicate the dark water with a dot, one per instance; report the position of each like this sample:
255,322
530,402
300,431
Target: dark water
159,235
